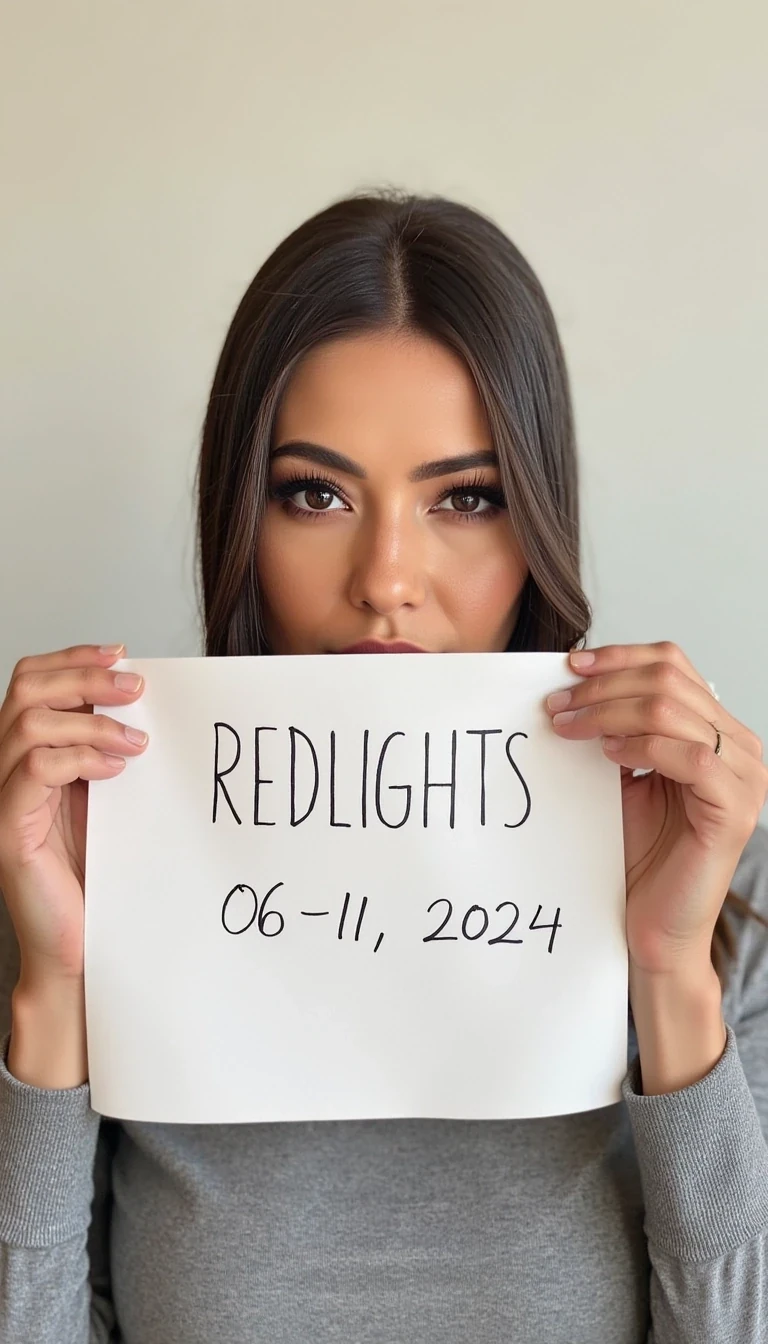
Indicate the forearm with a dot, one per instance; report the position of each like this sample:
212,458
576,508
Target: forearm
703,1162
679,1024
49,1197
47,1046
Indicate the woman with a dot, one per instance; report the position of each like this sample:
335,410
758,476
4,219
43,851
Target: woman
388,455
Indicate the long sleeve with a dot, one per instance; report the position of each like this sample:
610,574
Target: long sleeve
51,1292
54,1199
377,1234
703,1160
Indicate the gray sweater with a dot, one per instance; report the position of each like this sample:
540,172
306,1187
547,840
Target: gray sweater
642,1221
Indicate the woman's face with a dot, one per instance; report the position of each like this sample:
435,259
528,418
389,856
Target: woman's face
385,518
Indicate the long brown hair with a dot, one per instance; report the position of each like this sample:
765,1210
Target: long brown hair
389,260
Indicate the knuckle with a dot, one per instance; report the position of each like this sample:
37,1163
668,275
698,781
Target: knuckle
654,746
35,762
670,652
21,689
601,710
599,687
91,677
667,677
702,756
747,819
21,666
29,723
661,710
102,725
752,744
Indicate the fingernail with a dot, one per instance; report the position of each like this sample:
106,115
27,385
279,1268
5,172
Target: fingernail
559,699
566,717
128,681
112,649
136,736
116,762
583,658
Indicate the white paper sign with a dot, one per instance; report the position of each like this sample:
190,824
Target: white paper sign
354,887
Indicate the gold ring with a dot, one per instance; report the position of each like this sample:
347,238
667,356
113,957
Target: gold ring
719,743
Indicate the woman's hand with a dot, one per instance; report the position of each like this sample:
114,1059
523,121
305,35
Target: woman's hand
51,743
687,822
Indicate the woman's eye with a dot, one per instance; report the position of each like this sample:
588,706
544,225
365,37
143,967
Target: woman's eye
316,499
465,501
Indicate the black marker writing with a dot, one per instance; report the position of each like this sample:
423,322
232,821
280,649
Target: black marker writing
334,822
293,733
393,825
294,791
219,774
474,926
257,780
482,733
512,825
433,784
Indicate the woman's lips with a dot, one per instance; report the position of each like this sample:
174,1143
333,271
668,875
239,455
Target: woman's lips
378,646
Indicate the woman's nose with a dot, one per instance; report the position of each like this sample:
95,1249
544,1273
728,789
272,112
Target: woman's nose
388,566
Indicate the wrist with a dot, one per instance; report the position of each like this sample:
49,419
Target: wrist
47,1046
694,974
679,1024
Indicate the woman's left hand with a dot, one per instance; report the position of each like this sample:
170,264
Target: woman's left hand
685,823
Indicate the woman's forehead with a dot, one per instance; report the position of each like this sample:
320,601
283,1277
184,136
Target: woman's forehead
369,392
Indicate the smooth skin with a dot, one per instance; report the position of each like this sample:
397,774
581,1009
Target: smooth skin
369,552
393,527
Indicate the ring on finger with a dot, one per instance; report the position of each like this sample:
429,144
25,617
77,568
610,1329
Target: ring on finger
719,743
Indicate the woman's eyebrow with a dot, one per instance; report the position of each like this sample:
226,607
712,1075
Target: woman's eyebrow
427,471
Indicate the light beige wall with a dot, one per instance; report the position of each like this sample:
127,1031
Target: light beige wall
154,152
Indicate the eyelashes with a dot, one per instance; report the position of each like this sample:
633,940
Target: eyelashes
284,491
294,485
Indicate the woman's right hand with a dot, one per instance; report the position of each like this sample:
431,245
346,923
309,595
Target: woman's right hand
51,743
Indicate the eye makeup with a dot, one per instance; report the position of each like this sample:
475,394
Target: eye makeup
469,487
283,492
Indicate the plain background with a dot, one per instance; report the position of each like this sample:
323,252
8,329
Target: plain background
154,153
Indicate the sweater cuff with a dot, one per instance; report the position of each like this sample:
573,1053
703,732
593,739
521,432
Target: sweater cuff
703,1160
48,1140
